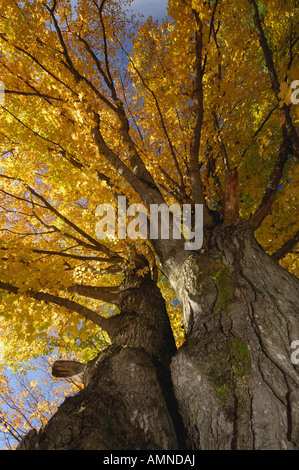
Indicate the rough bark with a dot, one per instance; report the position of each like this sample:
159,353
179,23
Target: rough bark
122,407
128,401
233,380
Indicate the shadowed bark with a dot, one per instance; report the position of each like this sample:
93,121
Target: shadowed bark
128,401
122,407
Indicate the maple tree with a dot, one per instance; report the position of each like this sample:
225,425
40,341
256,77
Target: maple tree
196,109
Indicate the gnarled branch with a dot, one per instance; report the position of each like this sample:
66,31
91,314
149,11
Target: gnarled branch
286,247
271,190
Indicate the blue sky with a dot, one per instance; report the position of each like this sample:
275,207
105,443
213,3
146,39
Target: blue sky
155,8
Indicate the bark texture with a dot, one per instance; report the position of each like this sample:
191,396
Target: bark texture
122,407
234,380
128,401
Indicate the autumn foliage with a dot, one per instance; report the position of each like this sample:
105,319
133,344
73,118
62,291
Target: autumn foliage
29,400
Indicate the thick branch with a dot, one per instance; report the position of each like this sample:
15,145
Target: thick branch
269,196
70,66
196,137
211,170
70,255
231,206
148,193
222,145
110,295
196,183
286,247
285,110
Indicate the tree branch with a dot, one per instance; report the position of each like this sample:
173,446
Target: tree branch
149,193
70,255
266,119
97,244
38,63
285,110
269,196
110,295
171,147
286,247
196,183
222,145
134,156
31,93
62,302
70,66
109,83
100,10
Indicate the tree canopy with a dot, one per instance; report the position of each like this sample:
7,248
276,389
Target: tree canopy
196,109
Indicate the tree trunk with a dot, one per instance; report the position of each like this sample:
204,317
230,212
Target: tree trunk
233,379
122,407
128,401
